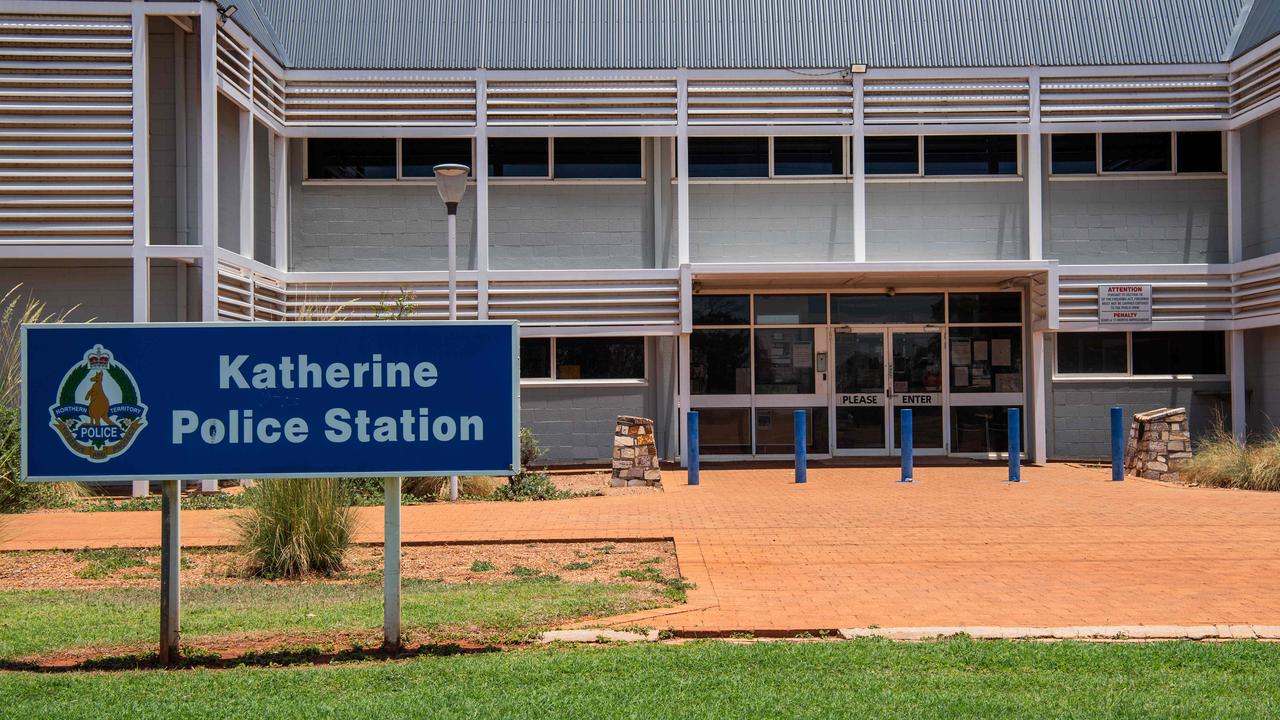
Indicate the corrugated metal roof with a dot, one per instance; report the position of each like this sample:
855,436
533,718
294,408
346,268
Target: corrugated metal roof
626,34
1260,23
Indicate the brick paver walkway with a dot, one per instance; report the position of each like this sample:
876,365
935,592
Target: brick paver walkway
853,548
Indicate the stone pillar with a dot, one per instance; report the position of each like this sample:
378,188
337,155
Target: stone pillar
635,456
1159,440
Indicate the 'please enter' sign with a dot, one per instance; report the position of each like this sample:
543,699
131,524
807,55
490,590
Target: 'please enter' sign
187,401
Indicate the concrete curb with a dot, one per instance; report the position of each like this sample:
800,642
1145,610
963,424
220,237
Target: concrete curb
597,636
1084,632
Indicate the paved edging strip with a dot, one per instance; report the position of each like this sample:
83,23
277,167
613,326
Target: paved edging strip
1083,632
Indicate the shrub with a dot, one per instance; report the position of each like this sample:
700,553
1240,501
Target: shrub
477,486
17,310
296,527
1219,461
425,488
530,486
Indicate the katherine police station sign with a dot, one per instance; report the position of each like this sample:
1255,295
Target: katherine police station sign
215,400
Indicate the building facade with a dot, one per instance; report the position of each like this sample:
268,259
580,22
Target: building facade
740,208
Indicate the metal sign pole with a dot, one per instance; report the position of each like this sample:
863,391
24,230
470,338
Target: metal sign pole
170,564
391,565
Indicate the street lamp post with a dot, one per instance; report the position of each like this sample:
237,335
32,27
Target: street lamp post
451,181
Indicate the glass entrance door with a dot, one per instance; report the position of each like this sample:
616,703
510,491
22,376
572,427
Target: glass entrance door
917,384
877,372
859,393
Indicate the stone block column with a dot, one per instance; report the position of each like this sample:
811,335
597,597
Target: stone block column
635,455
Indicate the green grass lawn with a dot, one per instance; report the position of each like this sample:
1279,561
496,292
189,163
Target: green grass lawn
865,678
40,621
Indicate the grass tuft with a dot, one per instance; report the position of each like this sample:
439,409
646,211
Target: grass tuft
1219,461
296,527
102,563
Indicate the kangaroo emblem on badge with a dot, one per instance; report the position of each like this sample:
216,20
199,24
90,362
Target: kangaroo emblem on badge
98,412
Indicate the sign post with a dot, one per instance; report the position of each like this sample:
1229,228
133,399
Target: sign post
208,401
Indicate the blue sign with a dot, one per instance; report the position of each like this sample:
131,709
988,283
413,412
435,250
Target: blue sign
258,400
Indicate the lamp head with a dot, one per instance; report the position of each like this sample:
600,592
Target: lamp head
451,181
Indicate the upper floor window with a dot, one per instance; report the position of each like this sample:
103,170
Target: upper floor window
598,158
519,157
942,155
729,157
808,156
351,159
1122,153
1127,354
419,156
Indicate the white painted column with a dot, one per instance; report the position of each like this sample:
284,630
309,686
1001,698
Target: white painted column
682,168
684,380
208,164
1040,412
859,160
1035,175
280,185
140,284
481,174
1235,253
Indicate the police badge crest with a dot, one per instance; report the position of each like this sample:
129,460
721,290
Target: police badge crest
99,411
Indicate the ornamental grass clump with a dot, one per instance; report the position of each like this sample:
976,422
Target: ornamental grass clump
1220,461
296,527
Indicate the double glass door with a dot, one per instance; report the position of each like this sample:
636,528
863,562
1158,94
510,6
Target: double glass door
877,373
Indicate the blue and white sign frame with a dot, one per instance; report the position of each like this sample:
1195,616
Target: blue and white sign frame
117,402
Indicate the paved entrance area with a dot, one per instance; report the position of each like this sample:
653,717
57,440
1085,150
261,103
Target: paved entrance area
853,548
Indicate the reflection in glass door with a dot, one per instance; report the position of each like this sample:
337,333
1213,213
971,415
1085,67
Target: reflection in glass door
859,391
917,384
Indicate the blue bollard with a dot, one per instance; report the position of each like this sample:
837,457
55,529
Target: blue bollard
802,436
908,437
693,447
1015,444
1117,443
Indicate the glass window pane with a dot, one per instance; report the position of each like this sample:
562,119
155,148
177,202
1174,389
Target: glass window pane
600,358
917,362
350,159
776,431
728,157
1074,154
518,157
807,156
1137,152
863,309
1003,307
986,360
724,431
970,155
859,428
982,429
1093,353
859,362
1179,353
784,361
892,155
720,362
420,155
721,310
597,157
1199,152
535,357
926,427
791,309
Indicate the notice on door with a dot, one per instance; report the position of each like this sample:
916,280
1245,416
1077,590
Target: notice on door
1119,304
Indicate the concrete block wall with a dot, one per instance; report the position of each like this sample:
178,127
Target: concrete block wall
372,226
163,140
1260,149
1262,380
570,227
947,220
96,292
576,424
228,175
1078,411
1099,221
770,222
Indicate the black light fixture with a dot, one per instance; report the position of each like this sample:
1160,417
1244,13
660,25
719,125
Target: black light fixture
226,13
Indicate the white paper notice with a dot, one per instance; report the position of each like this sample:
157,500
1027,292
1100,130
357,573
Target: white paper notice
979,350
961,352
961,378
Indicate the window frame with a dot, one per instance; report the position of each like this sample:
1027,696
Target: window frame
556,381
1129,374
401,178
1172,173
